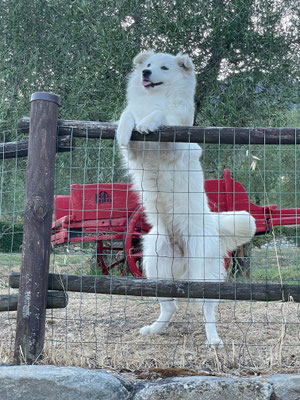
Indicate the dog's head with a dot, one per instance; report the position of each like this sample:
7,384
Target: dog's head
160,69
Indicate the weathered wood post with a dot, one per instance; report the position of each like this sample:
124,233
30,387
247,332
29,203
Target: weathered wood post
31,314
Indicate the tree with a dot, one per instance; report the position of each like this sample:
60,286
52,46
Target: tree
246,54
83,51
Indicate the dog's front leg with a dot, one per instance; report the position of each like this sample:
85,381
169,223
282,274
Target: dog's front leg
125,127
152,122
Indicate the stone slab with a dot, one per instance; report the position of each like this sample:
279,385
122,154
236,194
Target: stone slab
208,388
47,382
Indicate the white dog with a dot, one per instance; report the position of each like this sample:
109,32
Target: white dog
187,240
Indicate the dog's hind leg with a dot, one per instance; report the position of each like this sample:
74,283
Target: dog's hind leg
168,308
158,263
212,338
206,265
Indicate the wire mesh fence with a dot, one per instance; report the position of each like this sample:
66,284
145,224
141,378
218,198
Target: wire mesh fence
103,330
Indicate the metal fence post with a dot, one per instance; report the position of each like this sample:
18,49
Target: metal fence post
31,314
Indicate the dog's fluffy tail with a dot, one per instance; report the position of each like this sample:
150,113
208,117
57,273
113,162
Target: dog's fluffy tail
236,228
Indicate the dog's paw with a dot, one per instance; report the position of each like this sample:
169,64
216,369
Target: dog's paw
146,330
151,330
152,122
147,126
125,127
214,343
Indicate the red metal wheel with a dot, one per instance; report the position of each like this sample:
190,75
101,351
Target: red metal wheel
104,253
137,226
227,260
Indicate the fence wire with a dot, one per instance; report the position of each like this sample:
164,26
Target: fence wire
103,330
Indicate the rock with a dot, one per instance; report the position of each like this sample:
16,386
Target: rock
42,382
285,386
30,382
208,388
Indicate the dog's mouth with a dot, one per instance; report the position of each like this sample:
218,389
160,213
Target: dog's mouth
146,83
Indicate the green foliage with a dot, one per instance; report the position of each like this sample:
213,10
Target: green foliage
11,236
244,52
246,55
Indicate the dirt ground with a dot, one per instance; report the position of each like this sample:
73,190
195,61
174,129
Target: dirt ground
102,332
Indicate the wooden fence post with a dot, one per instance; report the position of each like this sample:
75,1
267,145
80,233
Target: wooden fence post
31,314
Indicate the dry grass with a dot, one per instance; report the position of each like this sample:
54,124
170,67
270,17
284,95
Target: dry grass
101,331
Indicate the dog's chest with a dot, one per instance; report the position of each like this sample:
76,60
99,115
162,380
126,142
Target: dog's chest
142,107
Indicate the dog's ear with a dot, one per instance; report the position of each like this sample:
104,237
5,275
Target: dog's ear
185,62
141,57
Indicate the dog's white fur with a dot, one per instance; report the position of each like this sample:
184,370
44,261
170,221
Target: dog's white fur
187,240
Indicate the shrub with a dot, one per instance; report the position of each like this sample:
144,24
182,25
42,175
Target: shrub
11,236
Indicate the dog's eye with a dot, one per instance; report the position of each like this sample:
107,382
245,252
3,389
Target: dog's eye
149,65
164,68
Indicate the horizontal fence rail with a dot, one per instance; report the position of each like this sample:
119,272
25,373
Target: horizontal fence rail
192,134
20,149
170,288
54,300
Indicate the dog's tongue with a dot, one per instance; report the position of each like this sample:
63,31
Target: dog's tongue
146,83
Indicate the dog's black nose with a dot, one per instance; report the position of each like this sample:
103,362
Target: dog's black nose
146,73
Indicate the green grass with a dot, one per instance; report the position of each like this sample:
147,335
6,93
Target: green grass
265,265
11,262
79,263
